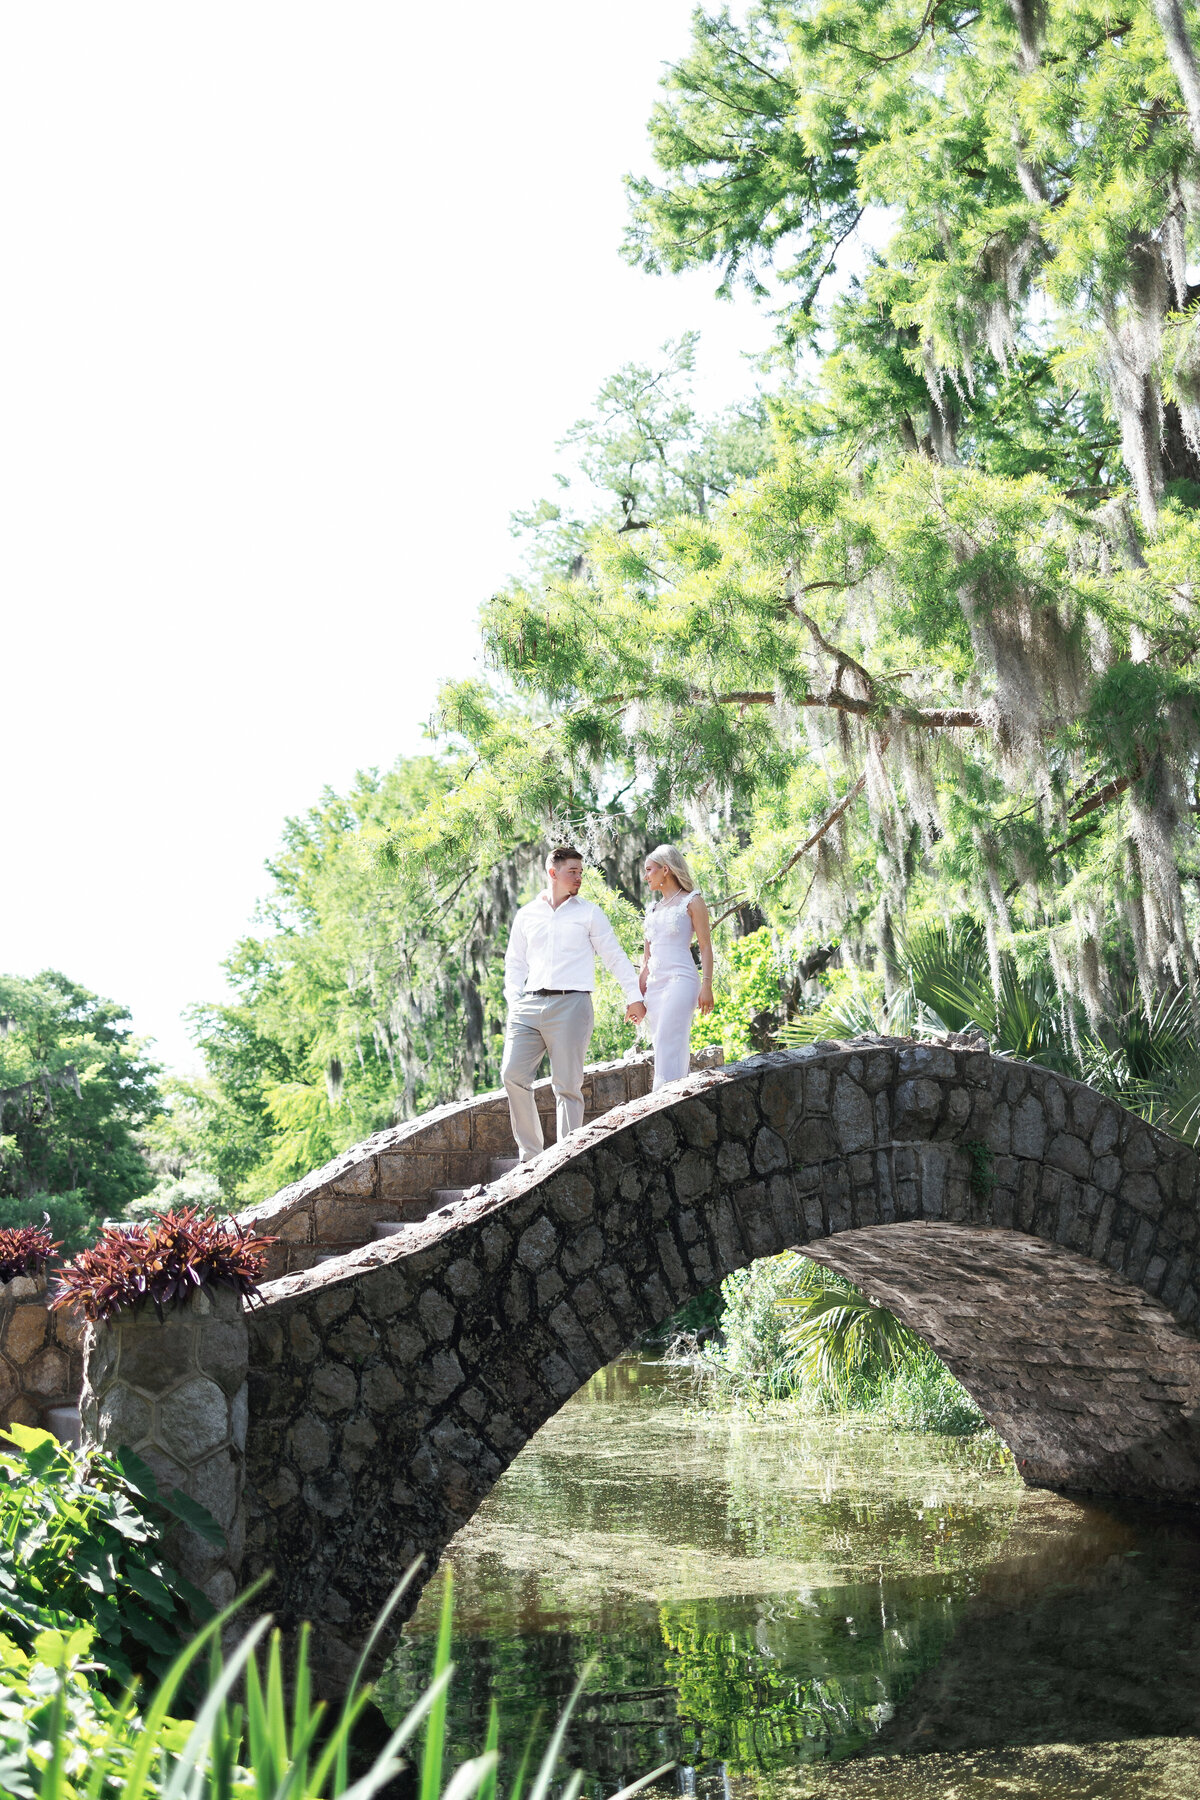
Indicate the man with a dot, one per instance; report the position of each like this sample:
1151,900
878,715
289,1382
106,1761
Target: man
549,974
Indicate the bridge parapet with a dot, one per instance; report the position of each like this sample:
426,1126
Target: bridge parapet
399,1174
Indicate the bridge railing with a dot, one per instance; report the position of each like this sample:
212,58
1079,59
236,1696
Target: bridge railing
398,1173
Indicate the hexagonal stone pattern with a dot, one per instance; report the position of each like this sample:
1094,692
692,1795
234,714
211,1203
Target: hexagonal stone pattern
175,1391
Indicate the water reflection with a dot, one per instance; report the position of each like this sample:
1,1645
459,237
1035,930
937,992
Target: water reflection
762,1596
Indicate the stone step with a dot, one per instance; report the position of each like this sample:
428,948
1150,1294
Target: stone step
385,1228
502,1165
329,1255
446,1197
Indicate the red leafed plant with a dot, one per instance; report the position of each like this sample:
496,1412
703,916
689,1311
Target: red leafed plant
26,1249
162,1262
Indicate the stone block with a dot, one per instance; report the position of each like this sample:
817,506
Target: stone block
918,1107
548,1287
436,1314
353,1340
153,1353
1029,1128
852,1115
404,1173
781,1099
692,1176
193,1420
405,1343
294,1227
217,1485
1141,1192
463,1278
609,1089
571,1197
303,1339
452,1131
738,1111
918,1060
123,1417
222,1351
657,1138
1069,1153
582,1251
698,1123
357,1180
25,1331
770,1152
538,1244
332,1303
69,1327
47,1375
492,1132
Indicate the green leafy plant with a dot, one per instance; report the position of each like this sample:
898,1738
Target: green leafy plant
26,1249
79,1546
60,1740
794,1332
834,1332
164,1262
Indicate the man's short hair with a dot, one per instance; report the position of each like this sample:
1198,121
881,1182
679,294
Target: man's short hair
562,853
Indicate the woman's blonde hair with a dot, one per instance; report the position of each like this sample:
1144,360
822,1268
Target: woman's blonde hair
673,859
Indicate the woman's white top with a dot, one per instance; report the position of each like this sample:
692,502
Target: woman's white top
669,931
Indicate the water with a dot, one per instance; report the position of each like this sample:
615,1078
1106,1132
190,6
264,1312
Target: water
816,1607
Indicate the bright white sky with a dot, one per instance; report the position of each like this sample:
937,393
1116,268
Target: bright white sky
297,301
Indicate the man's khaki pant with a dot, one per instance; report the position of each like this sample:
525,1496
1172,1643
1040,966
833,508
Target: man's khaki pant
562,1025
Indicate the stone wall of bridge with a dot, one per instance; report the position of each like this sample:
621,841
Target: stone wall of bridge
396,1174
1043,1240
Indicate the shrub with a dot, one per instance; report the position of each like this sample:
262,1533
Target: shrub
26,1249
796,1331
79,1546
164,1263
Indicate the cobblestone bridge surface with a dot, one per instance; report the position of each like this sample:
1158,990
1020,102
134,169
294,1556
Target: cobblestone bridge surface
1044,1241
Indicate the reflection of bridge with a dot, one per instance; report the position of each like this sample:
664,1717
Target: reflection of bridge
1040,1238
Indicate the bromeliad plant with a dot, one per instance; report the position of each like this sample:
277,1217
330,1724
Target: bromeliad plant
164,1263
26,1249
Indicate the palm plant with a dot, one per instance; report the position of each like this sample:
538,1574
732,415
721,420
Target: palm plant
835,1333
944,980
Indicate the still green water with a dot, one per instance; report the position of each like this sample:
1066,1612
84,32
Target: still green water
816,1607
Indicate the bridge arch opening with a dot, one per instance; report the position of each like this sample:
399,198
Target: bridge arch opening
1037,1237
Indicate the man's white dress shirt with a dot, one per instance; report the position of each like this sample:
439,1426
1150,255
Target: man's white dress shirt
557,946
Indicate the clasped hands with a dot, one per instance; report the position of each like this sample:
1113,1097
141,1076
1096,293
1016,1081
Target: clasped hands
635,1012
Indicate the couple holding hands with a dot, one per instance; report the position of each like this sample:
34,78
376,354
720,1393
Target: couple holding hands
550,971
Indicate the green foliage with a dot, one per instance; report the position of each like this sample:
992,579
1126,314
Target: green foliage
60,1739
79,1547
751,988
910,638
834,1332
75,1088
366,1000
795,1331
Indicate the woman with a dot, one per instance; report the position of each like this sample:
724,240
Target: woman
668,978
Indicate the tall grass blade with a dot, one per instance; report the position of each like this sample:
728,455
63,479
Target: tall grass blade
549,1762
435,1731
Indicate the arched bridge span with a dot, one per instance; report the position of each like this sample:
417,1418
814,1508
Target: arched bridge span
1043,1240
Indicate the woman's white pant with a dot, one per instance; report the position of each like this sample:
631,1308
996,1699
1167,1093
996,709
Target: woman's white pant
670,1003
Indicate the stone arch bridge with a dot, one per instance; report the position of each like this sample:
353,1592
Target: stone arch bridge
1040,1238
